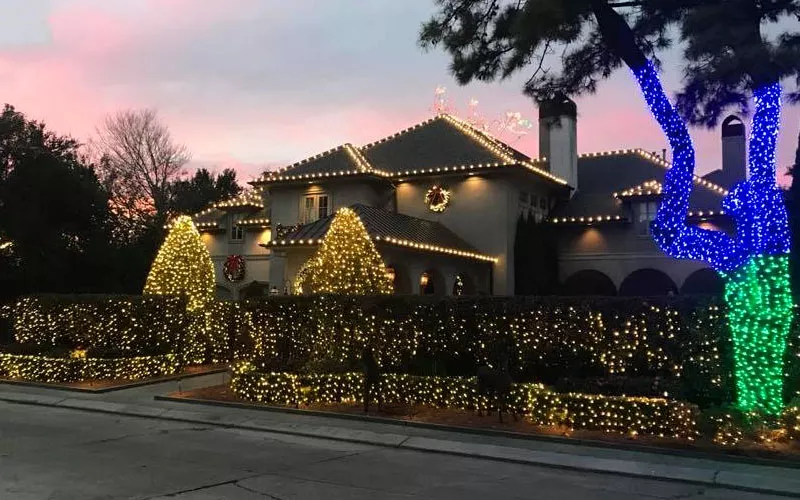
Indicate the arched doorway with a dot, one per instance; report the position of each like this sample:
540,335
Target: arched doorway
647,282
254,290
588,282
703,282
401,279
431,282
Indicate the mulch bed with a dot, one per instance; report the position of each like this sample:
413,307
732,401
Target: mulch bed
91,385
780,451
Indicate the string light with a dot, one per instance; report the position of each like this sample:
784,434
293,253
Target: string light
183,267
754,262
394,241
346,261
76,369
591,219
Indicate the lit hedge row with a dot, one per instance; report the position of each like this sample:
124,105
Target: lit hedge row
55,370
676,339
139,324
625,415
615,414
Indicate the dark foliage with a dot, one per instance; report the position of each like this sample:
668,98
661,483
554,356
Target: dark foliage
189,196
535,258
570,46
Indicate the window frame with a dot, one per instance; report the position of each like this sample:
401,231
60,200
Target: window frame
236,229
313,213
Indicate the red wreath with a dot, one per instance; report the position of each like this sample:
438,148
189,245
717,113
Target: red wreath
234,268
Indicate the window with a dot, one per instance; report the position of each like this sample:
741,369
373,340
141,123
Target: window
237,231
315,206
543,203
647,212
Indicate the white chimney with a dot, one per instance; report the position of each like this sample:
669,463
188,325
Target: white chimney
734,150
558,137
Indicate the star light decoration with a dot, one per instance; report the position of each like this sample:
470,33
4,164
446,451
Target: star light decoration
753,262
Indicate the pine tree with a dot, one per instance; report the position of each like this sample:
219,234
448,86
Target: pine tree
183,267
347,262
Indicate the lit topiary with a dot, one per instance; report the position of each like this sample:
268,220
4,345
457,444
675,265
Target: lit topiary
182,267
346,262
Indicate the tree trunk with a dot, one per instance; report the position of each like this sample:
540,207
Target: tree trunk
754,263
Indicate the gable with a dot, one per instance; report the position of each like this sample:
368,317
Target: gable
438,142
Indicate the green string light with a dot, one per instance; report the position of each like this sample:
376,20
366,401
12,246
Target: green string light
760,316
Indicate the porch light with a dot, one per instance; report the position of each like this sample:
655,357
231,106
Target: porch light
423,280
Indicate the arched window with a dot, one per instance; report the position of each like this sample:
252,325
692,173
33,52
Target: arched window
588,282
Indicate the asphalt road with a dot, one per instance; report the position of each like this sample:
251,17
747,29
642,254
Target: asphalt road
53,453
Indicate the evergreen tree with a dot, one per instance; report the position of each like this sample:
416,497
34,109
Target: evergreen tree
189,196
347,261
183,266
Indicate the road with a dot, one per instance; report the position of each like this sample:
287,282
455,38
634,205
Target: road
61,454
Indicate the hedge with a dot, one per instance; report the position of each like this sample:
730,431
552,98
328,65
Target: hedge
136,324
625,415
54,370
680,345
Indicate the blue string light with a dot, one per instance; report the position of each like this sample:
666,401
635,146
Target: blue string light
753,262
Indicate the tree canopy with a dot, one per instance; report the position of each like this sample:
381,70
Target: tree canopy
54,216
189,196
729,47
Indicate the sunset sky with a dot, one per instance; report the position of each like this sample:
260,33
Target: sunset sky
262,83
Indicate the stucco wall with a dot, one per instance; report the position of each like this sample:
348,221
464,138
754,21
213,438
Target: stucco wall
483,211
617,251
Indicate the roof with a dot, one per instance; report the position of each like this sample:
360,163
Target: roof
440,145
607,179
214,217
439,142
392,228
247,199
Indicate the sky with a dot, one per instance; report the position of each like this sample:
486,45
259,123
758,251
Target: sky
255,84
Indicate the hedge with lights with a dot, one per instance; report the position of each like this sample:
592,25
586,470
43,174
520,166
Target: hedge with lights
135,324
54,370
625,415
676,345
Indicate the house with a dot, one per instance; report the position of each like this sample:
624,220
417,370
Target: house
441,201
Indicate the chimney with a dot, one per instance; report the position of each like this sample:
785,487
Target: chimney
558,137
734,149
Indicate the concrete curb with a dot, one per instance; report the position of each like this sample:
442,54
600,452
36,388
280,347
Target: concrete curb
688,453
103,390
758,479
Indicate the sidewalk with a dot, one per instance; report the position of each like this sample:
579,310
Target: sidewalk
140,402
